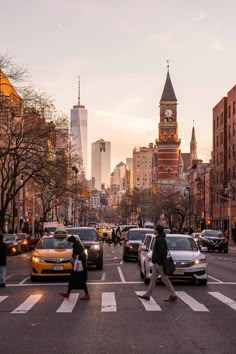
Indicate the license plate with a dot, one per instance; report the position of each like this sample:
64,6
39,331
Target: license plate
216,245
179,271
58,267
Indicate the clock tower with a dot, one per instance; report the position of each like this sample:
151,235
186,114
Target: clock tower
168,143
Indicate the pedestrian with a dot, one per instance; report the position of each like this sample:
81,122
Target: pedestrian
118,236
78,278
159,257
113,237
3,261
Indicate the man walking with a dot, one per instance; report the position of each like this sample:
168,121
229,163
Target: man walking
159,257
3,261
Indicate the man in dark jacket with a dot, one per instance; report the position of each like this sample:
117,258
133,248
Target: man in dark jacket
3,261
159,256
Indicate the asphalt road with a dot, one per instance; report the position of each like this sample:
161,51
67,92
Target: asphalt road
35,319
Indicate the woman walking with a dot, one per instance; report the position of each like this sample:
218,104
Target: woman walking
159,257
78,278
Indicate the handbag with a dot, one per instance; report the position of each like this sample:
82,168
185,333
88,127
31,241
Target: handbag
169,266
78,265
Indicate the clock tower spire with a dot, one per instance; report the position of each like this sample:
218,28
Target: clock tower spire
168,142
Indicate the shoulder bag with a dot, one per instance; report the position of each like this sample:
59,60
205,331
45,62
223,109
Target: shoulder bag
78,265
169,266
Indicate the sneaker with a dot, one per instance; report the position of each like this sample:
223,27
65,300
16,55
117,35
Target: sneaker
85,297
144,297
3,285
65,295
172,298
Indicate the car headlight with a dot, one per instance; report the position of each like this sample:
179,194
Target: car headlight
200,261
37,259
25,242
95,247
86,252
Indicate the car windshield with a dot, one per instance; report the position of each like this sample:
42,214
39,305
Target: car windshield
51,229
21,236
181,244
212,233
53,243
84,234
9,237
137,235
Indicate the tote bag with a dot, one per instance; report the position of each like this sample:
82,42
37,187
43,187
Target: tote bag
78,265
169,266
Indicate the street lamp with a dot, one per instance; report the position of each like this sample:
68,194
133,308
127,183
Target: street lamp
19,200
227,190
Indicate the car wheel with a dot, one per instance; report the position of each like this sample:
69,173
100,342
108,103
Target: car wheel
125,258
202,281
226,251
32,278
146,280
99,265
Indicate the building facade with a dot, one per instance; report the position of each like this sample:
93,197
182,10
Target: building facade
79,136
142,166
168,142
101,163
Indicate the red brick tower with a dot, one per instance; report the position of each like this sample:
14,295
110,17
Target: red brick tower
168,142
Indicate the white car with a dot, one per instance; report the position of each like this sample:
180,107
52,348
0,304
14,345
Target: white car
190,263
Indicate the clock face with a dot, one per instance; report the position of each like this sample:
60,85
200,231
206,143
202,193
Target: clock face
168,112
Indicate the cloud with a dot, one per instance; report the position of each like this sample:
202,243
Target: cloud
216,45
201,16
61,27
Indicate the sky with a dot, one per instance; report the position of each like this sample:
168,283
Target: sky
119,48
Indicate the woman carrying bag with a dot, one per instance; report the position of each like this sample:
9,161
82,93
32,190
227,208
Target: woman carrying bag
78,276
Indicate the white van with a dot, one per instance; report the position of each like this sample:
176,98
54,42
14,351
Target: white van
50,226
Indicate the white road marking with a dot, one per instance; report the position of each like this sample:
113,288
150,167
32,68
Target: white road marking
226,300
68,304
121,275
27,304
103,276
115,257
150,305
24,280
121,262
220,281
191,302
3,298
10,276
108,302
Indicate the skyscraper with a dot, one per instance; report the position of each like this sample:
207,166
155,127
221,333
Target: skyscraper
78,119
101,163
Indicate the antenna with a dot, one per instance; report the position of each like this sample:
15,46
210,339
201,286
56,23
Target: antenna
168,65
79,91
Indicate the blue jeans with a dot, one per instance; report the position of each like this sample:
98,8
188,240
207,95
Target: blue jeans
2,275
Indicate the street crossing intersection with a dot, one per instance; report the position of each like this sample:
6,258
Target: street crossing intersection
109,302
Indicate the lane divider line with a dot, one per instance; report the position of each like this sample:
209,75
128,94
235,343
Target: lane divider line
68,304
218,280
27,304
150,305
191,302
3,298
108,302
121,275
226,300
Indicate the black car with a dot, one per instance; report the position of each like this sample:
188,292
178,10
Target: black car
93,246
132,241
213,240
13,244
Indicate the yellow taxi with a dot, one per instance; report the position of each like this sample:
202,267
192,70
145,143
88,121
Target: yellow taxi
51,257
104,233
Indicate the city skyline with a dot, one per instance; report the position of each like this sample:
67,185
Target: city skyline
120,52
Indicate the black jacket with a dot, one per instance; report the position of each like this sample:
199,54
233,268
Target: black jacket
3,253
160,249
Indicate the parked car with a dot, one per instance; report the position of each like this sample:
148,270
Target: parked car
214,240
132,242
93,246
23,239
13,244
190,263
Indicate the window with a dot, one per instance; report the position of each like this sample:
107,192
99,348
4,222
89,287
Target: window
229,111
217,124
229,153
234,108
217,141
229,133
221,137
233,129
229,173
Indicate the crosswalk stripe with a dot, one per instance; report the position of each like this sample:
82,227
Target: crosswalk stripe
191,302
150,305
226,300
28,304
108,302
3,298
68,304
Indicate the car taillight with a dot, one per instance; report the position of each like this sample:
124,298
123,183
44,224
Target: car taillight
129,245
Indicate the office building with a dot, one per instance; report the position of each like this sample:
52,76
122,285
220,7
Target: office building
101,163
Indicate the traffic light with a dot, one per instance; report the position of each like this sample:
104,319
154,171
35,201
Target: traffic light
154,189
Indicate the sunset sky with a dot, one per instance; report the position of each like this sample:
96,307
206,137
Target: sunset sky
119,49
